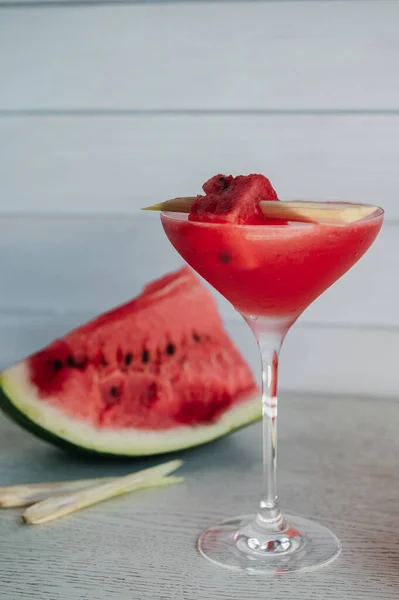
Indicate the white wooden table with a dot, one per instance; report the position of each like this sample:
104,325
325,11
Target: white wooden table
339,461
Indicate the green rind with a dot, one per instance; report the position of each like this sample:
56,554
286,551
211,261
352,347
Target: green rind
9,409
9,404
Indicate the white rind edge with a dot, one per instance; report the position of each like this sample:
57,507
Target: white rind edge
130,442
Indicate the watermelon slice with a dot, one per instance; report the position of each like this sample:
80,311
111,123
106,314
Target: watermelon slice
155,375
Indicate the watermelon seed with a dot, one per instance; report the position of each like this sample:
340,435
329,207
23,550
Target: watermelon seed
114,392
225,183
145,357
128,358
57,364
170,349
196,337
224,257
71,361
103,362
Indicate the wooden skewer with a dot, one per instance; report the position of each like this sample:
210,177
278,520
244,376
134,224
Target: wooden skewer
175,205
316,212
13,496
59,506
307,212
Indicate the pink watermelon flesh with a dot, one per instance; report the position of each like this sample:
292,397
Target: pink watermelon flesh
231,199
163,359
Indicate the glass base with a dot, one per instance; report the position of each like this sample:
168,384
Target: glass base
240,545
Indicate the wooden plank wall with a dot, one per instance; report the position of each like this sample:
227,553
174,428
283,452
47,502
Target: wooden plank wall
105,107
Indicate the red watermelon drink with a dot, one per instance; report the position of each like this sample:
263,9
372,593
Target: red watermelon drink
270,266
270,270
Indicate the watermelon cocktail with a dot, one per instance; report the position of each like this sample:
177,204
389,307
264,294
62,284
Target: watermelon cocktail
270,266
270,271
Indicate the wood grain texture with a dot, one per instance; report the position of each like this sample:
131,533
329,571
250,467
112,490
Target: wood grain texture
338,463
118,164
238,55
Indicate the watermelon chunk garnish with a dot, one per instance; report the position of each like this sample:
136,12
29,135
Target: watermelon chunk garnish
229,199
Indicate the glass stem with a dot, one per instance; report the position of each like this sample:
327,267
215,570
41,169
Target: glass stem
269,337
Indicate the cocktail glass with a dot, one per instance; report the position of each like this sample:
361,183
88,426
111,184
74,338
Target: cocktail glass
270,274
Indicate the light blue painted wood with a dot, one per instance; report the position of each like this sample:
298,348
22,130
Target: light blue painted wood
240,55
118,164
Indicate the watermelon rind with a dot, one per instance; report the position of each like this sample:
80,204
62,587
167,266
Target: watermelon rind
19,399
